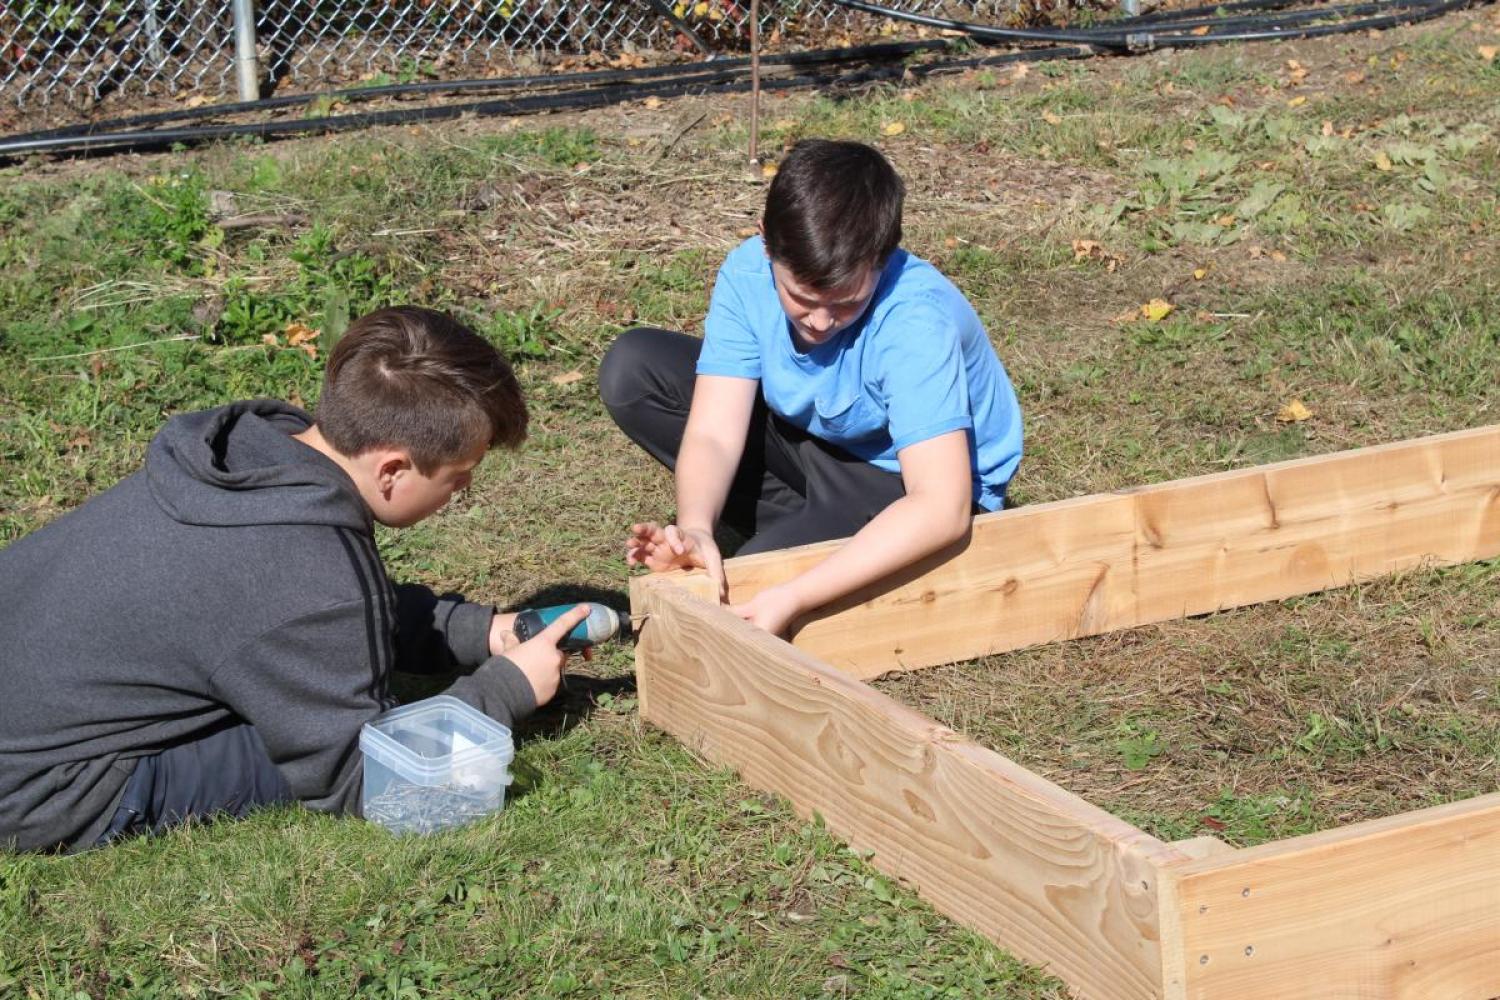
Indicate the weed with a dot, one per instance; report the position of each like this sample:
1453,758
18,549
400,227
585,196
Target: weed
560,147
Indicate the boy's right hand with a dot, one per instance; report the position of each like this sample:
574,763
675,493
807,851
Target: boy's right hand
673,547
540,659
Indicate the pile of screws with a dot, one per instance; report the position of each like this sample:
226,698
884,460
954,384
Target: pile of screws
409,808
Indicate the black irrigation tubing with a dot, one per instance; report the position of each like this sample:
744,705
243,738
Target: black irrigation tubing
725,76
1121,38
568,100
1265,22
813,57
1145,41
1179,19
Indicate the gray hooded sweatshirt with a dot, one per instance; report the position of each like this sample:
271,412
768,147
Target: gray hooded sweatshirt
236,576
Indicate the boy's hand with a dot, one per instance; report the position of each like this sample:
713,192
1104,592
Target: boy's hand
503,636
772,609
672,547
540,659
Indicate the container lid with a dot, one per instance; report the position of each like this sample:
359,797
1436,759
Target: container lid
437,733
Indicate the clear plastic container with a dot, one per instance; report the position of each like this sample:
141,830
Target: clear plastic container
434,764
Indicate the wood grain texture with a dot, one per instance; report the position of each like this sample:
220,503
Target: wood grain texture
1094,564
1405,908
1038,870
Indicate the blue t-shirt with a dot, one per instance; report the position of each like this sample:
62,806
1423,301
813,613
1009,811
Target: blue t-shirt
917,364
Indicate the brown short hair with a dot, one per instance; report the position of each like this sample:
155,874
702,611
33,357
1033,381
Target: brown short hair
834,209
414,378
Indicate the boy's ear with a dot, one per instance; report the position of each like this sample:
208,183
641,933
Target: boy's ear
389,463
760,230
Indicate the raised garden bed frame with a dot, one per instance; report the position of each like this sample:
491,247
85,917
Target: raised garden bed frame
1407,906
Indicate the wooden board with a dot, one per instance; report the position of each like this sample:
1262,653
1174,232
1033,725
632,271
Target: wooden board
1406,908
1094,564
1038,870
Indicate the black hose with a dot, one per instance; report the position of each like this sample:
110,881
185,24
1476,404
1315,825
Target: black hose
1122,38
813,57
598,88
1290,17
1423,12
155,139
566,100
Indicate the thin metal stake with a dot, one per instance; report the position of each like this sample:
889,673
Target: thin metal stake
754,82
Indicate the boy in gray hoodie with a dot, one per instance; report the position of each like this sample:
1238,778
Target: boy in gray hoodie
210,634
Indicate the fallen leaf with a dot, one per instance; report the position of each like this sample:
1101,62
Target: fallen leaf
1297,101
652,103
1157,310
298,334
768,170
567,378
1199,273
1294,412
1213,824
1354,76
269,339
1226,220
1201,30
1489,52
1382,161
1092,250
893,128
1020,72
1328,128
311,350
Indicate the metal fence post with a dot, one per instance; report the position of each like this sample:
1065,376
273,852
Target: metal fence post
153,35
247,72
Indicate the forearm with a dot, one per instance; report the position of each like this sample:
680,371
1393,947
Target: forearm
705,469
909,529
439,634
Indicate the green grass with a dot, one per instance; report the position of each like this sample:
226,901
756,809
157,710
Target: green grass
1298,267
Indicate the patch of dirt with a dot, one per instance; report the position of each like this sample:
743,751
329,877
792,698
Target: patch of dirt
1256,723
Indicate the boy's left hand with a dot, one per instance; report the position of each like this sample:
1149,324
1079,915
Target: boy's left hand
772,609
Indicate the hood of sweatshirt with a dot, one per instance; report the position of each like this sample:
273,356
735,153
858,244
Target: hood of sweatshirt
239,465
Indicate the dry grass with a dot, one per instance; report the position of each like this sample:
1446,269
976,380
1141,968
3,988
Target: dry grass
1260,722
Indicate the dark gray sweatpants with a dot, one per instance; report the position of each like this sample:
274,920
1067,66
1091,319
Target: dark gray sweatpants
225,772
790,489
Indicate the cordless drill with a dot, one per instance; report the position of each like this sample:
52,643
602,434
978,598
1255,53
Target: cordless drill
601,624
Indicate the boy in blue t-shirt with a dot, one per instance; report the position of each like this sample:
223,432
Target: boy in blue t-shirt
842,388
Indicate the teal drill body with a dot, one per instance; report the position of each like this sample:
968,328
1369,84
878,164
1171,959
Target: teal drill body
602,623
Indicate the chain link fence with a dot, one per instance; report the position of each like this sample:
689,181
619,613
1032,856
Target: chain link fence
79,52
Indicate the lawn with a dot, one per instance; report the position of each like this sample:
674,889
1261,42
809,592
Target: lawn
1188,262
